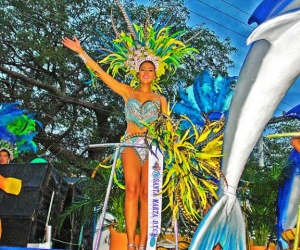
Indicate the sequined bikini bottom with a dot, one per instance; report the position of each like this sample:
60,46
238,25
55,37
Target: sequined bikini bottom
140,146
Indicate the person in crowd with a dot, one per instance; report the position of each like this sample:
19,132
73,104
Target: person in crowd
5,156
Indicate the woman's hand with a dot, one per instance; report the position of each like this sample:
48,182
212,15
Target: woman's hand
72,44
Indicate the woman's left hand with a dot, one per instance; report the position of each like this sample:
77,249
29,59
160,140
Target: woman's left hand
72,44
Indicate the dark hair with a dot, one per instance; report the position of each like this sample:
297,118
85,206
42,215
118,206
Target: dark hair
5,150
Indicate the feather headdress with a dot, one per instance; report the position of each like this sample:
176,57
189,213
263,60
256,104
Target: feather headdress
17,129
155,43
5,146
208,96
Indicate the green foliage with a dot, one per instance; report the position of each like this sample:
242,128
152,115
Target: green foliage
260,184
93,192
50,79
261,235
117,209
259,197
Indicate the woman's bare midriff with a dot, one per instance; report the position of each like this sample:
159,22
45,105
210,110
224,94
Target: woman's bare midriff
133,129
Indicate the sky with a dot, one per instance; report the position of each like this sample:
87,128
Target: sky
229,18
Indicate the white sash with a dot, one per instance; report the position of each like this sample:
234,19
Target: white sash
154,197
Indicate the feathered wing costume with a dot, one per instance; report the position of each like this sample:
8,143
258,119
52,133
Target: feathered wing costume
126,51
17,131
208,97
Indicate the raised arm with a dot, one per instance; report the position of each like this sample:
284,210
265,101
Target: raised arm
120,88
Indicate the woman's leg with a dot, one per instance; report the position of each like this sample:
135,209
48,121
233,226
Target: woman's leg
144,204
132,173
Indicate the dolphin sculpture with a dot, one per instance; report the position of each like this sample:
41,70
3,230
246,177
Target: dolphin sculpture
270,68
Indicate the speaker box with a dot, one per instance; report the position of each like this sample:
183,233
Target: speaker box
69,234
24,216
73,235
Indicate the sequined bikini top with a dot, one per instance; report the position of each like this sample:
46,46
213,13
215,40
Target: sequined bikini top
137,112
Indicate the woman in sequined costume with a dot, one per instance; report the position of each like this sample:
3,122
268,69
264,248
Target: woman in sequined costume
141,104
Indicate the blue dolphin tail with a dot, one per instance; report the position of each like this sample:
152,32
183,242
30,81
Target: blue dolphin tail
223,224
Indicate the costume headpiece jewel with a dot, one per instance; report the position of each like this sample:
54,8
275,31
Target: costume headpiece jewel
136,56
153,43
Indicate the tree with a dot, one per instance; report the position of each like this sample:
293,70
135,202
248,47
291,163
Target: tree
50,80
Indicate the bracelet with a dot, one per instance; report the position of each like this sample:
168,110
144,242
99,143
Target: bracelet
82,58
141,134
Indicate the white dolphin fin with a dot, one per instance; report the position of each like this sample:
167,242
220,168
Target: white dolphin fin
223,224
273,30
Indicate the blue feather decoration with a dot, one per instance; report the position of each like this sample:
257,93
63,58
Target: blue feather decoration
227,102
183,96
223,93
208,95
202,90
192,99
192,114
5,135
17,128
